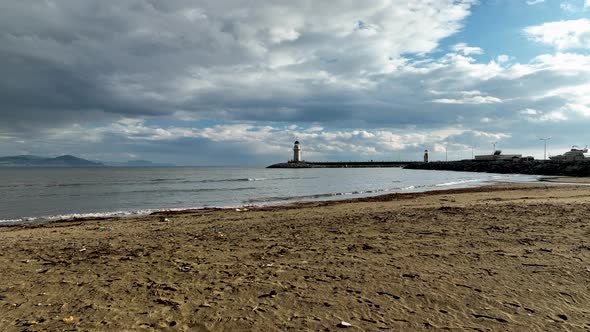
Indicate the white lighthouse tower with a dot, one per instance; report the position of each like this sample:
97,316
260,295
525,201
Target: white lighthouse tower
297,152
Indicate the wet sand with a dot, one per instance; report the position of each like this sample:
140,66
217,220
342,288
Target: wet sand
500,258
567,179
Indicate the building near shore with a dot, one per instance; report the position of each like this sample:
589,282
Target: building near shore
498,156
575,154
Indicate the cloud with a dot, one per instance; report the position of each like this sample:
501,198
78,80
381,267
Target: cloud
138,58
502,58
395,109
563,35
534,2
567,6
172,78
469,97
575,7
529,111
532,115
466,50
581,109
553,116
263,141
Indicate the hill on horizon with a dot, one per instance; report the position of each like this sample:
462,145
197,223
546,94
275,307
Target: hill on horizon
71,161
138,163
37,161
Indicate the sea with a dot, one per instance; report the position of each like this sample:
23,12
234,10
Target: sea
34,194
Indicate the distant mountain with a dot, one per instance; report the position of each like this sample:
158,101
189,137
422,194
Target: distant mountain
138,163
36,161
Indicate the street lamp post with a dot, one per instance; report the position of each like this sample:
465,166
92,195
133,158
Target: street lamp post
545,147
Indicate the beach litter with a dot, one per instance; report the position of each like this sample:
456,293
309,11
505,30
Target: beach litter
272,293
30,323
344,324
68,320
184,268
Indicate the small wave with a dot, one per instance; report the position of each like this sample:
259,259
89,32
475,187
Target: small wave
225,180
454,183
290,198
194,190
147,191
72,216
18,185
296,178
166,179
9,221
304,197
249,179
51,185
110,214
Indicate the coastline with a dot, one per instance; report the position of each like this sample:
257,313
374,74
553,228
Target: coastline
320,197
500,257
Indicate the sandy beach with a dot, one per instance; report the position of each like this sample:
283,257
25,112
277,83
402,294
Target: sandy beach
497,258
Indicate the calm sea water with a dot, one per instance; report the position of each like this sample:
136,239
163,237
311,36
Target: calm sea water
54,193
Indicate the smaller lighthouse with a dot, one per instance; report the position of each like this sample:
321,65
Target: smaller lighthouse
425,156
297,152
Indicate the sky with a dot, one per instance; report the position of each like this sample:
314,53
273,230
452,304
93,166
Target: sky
236,82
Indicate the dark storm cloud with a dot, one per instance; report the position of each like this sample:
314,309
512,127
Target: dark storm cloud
64,59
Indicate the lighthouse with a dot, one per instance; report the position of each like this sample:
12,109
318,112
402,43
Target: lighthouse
425,156
296,152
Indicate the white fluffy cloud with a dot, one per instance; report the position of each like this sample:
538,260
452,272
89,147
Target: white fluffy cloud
469,99
264,140
563,35
569,7
466,50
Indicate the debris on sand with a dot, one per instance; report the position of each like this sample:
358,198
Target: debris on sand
344,325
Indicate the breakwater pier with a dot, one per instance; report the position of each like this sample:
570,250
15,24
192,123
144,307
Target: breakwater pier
344,164
571,163
533,167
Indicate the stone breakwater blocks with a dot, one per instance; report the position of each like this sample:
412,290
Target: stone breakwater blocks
536,167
